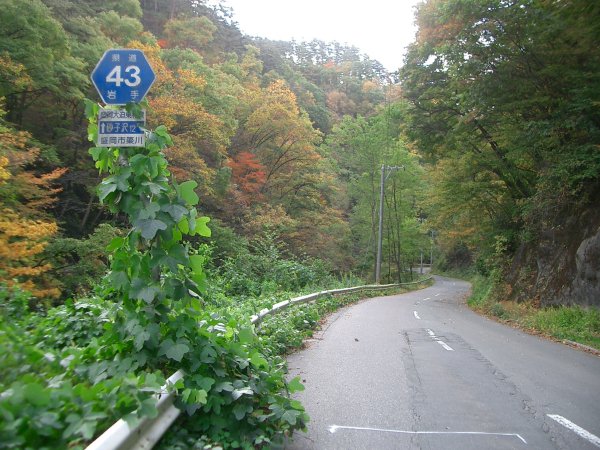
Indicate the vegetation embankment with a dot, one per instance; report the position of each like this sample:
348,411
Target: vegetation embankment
570,323
62,347
280,334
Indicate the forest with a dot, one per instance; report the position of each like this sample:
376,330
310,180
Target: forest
260,179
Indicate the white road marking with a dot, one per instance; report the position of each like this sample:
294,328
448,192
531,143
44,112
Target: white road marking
428,298
416,315
576,429
334,428
437,295
443,344
439,341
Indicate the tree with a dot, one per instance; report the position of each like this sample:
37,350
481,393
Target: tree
248,175
361,146
25,224
494,88
35,44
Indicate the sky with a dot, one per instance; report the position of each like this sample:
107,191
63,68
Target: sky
380,28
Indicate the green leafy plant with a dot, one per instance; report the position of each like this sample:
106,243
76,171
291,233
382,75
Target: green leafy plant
159,281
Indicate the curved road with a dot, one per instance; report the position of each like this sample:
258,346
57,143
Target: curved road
422,371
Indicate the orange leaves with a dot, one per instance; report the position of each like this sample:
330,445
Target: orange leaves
249,176
23,196
27,191
21,242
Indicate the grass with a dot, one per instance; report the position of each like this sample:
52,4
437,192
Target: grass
286,331
571,323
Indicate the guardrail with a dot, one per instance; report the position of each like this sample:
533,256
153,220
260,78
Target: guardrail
147,432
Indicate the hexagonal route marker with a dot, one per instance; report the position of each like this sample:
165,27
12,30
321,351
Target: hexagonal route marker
122,76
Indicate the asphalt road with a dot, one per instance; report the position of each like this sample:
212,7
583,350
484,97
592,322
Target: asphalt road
422,371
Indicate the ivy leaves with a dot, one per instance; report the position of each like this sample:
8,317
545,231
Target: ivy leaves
160,280
174,350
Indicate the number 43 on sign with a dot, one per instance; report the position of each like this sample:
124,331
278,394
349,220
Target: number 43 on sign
123,76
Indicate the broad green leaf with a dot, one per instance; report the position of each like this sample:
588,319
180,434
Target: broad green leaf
92,131
149,212
237,393
119,279
201,227
36,394
115,243
200,396
258,361
204,382
104,189
197,263
224,386
208,355
294,385
154,188
296,404
184,226
175,211
149,227
290,416
241,409
148,408
91,109
177,352
246,335
172,350
147,294
186,191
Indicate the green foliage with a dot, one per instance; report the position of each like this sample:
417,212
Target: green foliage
79,263
572,323
159,282
57,388
262,267
501,99
361,146
278,334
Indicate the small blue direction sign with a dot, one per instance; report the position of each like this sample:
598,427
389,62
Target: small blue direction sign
122,76
119,128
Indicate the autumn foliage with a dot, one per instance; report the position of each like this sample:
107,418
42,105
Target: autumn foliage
25,226
249,176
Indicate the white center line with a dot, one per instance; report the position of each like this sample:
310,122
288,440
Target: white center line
576,429
334,428
439,341
437,295
428,298
416,315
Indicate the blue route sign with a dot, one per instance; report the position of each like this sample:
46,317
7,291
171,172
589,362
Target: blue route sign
122,76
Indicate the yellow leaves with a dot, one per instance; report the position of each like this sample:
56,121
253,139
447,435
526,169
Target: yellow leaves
4,174
191,79
164,76
15,73
191,125
21,243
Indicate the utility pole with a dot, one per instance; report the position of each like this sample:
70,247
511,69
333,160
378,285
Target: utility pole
384,177
431,256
